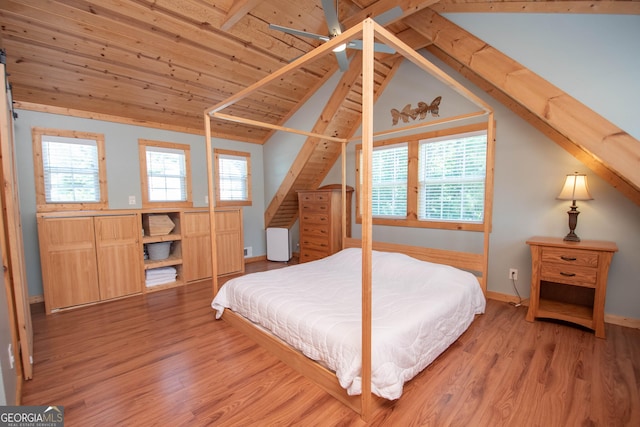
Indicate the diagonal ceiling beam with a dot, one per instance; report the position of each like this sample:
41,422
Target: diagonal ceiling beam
614,153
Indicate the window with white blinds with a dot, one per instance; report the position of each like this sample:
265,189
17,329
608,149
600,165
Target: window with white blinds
451,178
431,180
389,181
71,170
166,174
233,177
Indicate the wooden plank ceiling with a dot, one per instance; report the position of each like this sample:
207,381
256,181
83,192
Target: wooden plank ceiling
161,63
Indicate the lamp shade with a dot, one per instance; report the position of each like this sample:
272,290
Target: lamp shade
575,188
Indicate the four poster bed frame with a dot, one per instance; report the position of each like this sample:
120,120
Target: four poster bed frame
368,30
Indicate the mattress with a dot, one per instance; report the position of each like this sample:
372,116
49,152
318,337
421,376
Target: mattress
418,310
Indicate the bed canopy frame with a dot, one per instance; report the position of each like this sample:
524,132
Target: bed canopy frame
368,31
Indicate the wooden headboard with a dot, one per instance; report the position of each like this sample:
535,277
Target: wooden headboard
467,261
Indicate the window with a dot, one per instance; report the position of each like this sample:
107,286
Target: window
389,182
70,170
451,175
165,173
432,180
233,178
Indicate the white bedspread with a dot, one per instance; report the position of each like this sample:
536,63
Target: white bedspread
419,309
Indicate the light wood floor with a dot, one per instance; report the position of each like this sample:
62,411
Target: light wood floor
162,359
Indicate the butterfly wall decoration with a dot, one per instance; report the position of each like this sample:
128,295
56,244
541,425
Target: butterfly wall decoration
420,111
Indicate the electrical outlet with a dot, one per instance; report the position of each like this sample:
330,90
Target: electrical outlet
513,273
132,200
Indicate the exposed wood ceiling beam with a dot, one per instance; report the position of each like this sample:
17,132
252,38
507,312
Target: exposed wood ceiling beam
408,7
611,152
238,9
617,7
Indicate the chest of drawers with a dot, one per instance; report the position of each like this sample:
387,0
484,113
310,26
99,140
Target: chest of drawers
321,221
569,280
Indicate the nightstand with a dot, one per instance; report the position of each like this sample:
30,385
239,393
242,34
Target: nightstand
569,280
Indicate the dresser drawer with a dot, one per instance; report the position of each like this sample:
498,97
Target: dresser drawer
315,197
307,255
314,207
314,218
569,257
313,243
315,231
569,274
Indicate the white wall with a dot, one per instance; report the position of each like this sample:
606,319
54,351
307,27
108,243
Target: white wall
123,175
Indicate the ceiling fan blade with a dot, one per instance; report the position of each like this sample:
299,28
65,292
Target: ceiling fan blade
331,15
378,47
298,32
388,16
343,61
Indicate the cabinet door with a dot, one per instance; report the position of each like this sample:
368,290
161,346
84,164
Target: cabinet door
196,246
119,255
229,241
68,257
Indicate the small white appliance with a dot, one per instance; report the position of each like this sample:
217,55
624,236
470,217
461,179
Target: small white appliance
278,244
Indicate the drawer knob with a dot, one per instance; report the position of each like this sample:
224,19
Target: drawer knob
568,258
567,274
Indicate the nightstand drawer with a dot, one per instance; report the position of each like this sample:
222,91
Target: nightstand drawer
569,257
569,275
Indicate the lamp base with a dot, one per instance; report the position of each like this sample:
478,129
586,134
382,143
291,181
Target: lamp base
571,237
573,222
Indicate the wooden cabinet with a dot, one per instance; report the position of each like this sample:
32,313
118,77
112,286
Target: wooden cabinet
88,259
229,241
197,244
117,255
321,221
569,280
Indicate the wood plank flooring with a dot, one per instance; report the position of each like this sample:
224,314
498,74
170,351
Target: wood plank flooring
162,359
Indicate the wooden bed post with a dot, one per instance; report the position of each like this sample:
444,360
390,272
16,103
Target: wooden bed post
488,197
367,228
344,194
212,216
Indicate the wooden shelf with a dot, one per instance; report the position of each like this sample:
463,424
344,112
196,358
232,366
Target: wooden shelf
568,312
165,238
163,286
171,261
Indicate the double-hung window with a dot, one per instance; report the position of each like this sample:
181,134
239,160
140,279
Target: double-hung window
433,180
165,173
232,174
70,170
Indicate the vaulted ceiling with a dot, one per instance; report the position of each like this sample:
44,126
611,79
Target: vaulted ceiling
161,63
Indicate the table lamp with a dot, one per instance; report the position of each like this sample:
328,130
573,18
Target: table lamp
575,188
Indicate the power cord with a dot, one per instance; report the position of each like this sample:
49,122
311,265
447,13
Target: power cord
515,287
